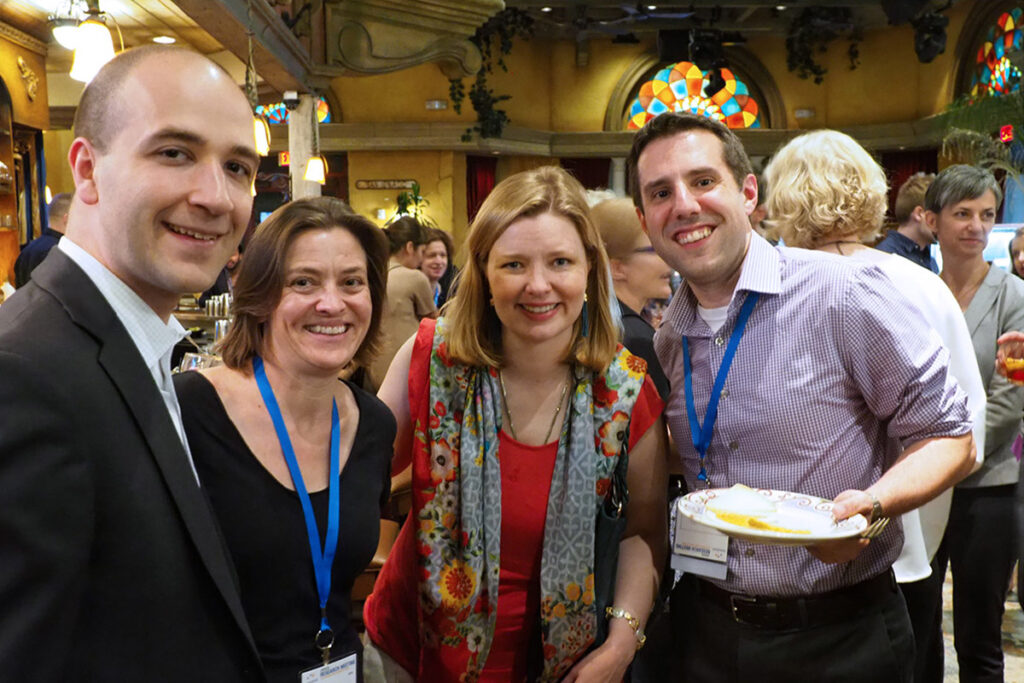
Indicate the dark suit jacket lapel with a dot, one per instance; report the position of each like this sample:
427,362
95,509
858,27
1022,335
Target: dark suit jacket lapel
984,299
121,360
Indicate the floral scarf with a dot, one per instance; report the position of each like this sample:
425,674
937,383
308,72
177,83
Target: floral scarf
457,503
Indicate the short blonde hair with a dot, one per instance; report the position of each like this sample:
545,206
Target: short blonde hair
473,334
825,187
619,226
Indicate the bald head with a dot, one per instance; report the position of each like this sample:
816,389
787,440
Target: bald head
100,109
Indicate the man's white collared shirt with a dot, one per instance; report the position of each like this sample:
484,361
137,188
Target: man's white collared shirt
154,338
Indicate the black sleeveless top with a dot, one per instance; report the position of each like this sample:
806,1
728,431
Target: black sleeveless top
265,531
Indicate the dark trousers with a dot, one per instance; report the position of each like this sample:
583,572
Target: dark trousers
981,545
924,605
872,644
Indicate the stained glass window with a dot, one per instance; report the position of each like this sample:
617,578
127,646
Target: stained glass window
278,113
993,72
680,87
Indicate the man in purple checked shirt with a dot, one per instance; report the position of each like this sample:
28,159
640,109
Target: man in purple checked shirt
828,385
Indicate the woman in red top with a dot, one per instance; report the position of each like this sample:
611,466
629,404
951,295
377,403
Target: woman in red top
514,409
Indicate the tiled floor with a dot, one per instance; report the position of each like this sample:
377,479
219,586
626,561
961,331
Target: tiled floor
1013,638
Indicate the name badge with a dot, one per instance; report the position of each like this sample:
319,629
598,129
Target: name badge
698,549
341,670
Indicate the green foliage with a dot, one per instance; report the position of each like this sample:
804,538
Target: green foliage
412,203
494,40
970,124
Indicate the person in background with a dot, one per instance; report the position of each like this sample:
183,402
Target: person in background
912,239
980,541
410,296
113,566
36,250
1016,249
514,410
273,429
829,194
638,275
437,264
829,368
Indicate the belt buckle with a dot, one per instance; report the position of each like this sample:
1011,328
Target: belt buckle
737,601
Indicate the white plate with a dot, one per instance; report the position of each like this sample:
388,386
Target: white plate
794,511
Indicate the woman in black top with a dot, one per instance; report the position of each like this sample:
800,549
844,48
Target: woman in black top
638,275
275,422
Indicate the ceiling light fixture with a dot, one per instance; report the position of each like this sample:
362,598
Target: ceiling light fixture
261,127
65,31
93,48
164,40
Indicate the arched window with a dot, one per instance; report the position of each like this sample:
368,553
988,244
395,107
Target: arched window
680,87
993,73
278,113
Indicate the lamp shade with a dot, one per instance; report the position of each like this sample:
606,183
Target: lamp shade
93,49
316,170
262,131
65,31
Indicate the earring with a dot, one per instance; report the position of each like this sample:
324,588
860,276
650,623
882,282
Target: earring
585,325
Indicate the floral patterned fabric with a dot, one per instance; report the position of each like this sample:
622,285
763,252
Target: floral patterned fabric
457,507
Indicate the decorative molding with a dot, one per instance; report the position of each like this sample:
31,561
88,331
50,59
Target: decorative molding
758,79
22,39
518,141
620,94
62,118
354,50
373,36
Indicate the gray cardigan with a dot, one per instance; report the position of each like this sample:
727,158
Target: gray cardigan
997,307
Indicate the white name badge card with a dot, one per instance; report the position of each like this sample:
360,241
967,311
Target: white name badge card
698,549
339,671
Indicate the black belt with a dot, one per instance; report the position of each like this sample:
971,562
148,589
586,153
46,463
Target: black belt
800,612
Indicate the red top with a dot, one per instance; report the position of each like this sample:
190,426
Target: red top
391,612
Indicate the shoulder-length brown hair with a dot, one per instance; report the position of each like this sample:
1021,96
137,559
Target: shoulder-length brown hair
473,333
262,272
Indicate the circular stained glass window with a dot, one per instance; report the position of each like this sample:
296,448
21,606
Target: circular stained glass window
278,113
680,87
993,72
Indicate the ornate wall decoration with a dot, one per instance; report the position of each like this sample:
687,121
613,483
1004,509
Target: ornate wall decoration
29,78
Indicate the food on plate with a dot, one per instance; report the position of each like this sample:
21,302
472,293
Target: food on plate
745,507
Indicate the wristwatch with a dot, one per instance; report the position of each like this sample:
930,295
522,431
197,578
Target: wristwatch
876,507
634,623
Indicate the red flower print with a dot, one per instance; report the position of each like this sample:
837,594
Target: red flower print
602,394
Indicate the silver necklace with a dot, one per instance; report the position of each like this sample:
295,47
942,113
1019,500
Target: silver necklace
508,412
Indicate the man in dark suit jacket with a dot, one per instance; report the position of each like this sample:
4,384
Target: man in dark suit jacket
112,567
36,250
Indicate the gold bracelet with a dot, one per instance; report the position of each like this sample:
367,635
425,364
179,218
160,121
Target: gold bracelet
634,623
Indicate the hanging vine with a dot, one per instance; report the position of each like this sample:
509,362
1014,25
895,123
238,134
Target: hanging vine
494,40
810,34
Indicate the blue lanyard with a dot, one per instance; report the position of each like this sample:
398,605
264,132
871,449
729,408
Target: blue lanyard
322,560
701,434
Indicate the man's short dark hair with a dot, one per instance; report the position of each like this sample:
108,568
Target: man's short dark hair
672,123
911,195
959,182
59,205
99,109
